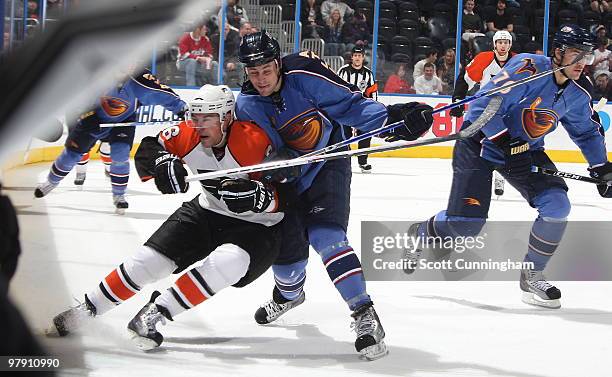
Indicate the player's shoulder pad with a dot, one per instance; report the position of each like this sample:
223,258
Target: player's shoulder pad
179,140
248,143
585,83
147,79
527,63
308,63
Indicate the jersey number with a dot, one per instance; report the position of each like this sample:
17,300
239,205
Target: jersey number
311,55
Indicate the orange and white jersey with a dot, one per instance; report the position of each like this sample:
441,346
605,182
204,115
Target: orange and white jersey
482,68
247,144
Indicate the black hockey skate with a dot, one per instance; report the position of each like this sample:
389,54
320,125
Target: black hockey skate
412,255
120,204
366,168
44,188
370,333
498,184
71,319
142,326
537,291
79,180
276,307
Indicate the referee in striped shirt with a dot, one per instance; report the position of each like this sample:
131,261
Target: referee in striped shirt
361,76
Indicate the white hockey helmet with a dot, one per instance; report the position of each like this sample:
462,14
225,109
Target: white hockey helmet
500,35
213,99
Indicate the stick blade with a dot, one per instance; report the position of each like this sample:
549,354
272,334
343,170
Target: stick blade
488,113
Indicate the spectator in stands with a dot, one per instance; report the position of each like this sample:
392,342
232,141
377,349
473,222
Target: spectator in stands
245,28
312,20
55,9
33,9
356,31
233,70
195,57
600,31
419,67
601,84
600,6
446,71
236,14
329,5
428,83
471,23
334,44
396,83
601,56
499,20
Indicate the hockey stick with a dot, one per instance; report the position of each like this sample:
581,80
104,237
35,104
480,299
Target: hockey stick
576,177
139,124
468,131
476,96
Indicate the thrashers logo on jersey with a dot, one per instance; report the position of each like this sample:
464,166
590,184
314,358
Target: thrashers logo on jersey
114,106
537,122
303,132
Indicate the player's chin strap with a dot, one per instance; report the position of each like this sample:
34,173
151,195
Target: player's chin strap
476,96
466,132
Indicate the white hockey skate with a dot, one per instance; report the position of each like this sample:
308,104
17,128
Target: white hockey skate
537,291
271,310
370,333
79,180
412,256
498,184
71,319
44,188
120,204
143,326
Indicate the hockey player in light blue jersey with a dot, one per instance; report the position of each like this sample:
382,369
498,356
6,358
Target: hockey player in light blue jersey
513,141
302,105
117,105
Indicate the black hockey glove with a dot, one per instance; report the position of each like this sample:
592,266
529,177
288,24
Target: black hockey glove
242,195
170,174
517,155
458,111
182,114
282,175
417,120
603,172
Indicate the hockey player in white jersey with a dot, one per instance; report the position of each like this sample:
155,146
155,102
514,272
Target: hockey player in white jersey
231,228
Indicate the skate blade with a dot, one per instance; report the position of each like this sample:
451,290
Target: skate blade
143,343
79,187
374,352
120,211
366,171
535,300
51,331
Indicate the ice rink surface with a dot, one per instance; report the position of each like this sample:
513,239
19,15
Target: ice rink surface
71,239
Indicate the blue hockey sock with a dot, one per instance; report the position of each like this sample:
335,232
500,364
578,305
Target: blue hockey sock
341,263
442,225
543,241
553,206
290,278
63,165
120,167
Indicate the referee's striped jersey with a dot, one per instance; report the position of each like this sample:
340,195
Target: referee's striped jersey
362,78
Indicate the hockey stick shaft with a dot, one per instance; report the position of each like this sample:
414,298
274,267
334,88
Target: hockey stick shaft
468,131
140,124
476,96
576,177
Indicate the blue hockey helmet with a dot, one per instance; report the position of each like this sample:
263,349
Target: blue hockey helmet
258,48
574,36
